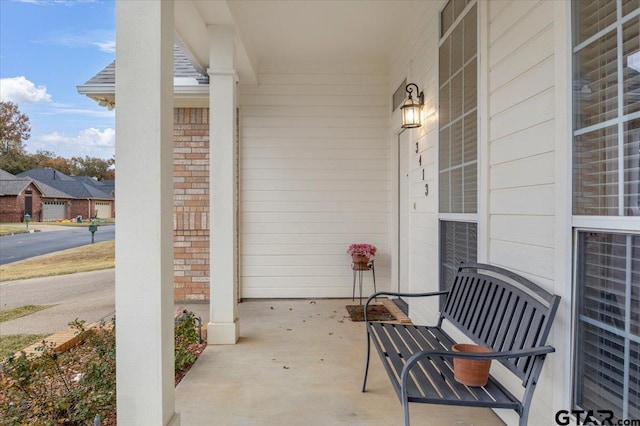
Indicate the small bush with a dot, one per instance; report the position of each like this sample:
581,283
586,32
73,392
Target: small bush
68,388
71,388
187,341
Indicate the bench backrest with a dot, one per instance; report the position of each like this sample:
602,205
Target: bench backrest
501,310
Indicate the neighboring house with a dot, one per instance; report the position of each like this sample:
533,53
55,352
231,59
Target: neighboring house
18,197
24,195
526,157
88,196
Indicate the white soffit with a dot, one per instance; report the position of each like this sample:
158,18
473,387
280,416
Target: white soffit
300,30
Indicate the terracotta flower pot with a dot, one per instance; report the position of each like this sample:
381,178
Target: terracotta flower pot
360,262
471,372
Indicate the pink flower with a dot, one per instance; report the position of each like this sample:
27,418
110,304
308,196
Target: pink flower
361,249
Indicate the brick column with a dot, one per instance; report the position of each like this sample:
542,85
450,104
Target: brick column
191,204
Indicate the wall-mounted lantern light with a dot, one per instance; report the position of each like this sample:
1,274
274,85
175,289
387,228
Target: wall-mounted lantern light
410,109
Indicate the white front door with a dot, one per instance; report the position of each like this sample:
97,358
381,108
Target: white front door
403,211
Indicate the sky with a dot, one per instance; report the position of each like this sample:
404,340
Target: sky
47,48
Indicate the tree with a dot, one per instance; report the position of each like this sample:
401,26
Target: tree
14,129
47,159
94,167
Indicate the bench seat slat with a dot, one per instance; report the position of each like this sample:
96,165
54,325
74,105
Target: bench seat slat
435,340
393,363
488,393
407,347
438,384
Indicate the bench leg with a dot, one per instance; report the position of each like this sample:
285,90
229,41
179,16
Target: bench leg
366,365
405,405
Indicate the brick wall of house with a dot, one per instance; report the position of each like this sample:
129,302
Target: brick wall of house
12,206
191,204
82,208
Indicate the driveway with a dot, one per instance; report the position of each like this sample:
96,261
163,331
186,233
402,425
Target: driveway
23,246
88,296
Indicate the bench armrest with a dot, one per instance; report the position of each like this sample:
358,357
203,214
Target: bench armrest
540,350
419,356
391,293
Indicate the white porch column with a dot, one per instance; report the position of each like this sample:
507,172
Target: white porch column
223,327
144,241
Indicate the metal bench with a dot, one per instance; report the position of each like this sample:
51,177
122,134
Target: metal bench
493,307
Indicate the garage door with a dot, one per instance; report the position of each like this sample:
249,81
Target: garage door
53,210
103,209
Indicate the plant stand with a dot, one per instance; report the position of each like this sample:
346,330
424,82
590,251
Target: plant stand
358,271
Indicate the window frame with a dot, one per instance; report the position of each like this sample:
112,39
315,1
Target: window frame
619,224
470,218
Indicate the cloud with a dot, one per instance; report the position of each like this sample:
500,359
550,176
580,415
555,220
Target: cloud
92,142
102,39
69,109
106,46
22,91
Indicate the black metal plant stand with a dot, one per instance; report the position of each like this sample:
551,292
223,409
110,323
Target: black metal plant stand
357,273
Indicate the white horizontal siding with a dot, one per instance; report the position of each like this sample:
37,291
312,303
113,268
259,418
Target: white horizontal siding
314,178
521,145
522,132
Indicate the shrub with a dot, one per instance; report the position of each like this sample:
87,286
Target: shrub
73,387
187,341
68,388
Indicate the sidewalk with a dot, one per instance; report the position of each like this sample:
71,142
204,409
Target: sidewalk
88,296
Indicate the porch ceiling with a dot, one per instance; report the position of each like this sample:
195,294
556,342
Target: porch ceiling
301,31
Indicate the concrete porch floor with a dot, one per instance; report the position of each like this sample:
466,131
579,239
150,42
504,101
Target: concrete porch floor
300,362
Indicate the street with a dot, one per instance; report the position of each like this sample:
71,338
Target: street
23,246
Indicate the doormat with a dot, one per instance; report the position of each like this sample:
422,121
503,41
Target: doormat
374,313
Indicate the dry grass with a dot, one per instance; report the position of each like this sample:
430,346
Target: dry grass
16,342
91,257
12,229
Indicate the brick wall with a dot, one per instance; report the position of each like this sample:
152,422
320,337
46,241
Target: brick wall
12,206
191,204
80,207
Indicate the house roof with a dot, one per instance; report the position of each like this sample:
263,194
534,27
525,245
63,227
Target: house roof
14,185
70,186
182,69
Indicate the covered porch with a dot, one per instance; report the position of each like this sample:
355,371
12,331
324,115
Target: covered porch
301,153
300,362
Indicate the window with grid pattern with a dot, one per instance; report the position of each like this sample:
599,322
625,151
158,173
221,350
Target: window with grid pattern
458,121
458,136
606,177
607,373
